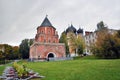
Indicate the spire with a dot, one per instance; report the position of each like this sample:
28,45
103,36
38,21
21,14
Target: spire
46,22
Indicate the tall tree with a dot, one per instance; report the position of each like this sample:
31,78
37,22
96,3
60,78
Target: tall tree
16,54
63,39
107,45
77,43
8,52
101,25
80,45
25,47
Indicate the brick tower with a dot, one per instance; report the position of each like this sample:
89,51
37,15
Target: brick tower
46,44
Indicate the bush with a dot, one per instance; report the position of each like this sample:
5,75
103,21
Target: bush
107,46
21,70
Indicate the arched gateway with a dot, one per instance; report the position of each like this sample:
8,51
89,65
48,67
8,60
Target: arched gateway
51,55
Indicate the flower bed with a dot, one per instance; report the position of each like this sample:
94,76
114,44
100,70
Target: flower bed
18,72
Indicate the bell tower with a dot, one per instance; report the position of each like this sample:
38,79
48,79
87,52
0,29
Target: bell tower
46,44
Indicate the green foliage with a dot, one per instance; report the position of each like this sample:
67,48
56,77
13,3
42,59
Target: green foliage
63,39
80,45
8,52
80,50
21,70
101,25
1,55
77,43
107,45
24,47
118,34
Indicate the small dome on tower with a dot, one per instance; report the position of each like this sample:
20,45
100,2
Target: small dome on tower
71,29
80,30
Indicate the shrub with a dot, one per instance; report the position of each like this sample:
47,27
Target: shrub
20,69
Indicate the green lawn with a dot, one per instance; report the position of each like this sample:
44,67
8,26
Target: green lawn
81,69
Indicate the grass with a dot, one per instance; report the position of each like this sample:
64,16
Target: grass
80,69
1,69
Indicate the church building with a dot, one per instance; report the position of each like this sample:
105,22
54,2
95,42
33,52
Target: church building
72,30
46,44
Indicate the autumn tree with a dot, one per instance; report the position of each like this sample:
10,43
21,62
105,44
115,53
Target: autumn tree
63,39
107,45
71,42
101,25
77,43
80,44
1,52
15,54
8,52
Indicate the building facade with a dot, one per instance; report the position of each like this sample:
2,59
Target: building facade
91,37
46,44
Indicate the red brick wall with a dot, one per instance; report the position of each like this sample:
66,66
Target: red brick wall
43,49
46,34
46,41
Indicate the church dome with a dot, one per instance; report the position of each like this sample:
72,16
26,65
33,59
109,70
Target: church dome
71,29
80,30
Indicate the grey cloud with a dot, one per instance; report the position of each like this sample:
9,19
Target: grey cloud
20,18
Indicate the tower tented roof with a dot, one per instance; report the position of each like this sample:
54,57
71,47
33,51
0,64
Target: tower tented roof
46,22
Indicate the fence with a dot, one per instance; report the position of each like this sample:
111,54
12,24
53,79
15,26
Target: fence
59,59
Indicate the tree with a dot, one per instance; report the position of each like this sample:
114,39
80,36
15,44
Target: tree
107,45
63,39
117,44
77,43
25,47
1,54
80,45
72,41
118,34
7,50
101,25
1,51
15,54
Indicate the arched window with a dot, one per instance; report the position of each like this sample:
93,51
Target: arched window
48,32
42,32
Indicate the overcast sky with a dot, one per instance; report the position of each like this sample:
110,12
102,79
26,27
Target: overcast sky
20,18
